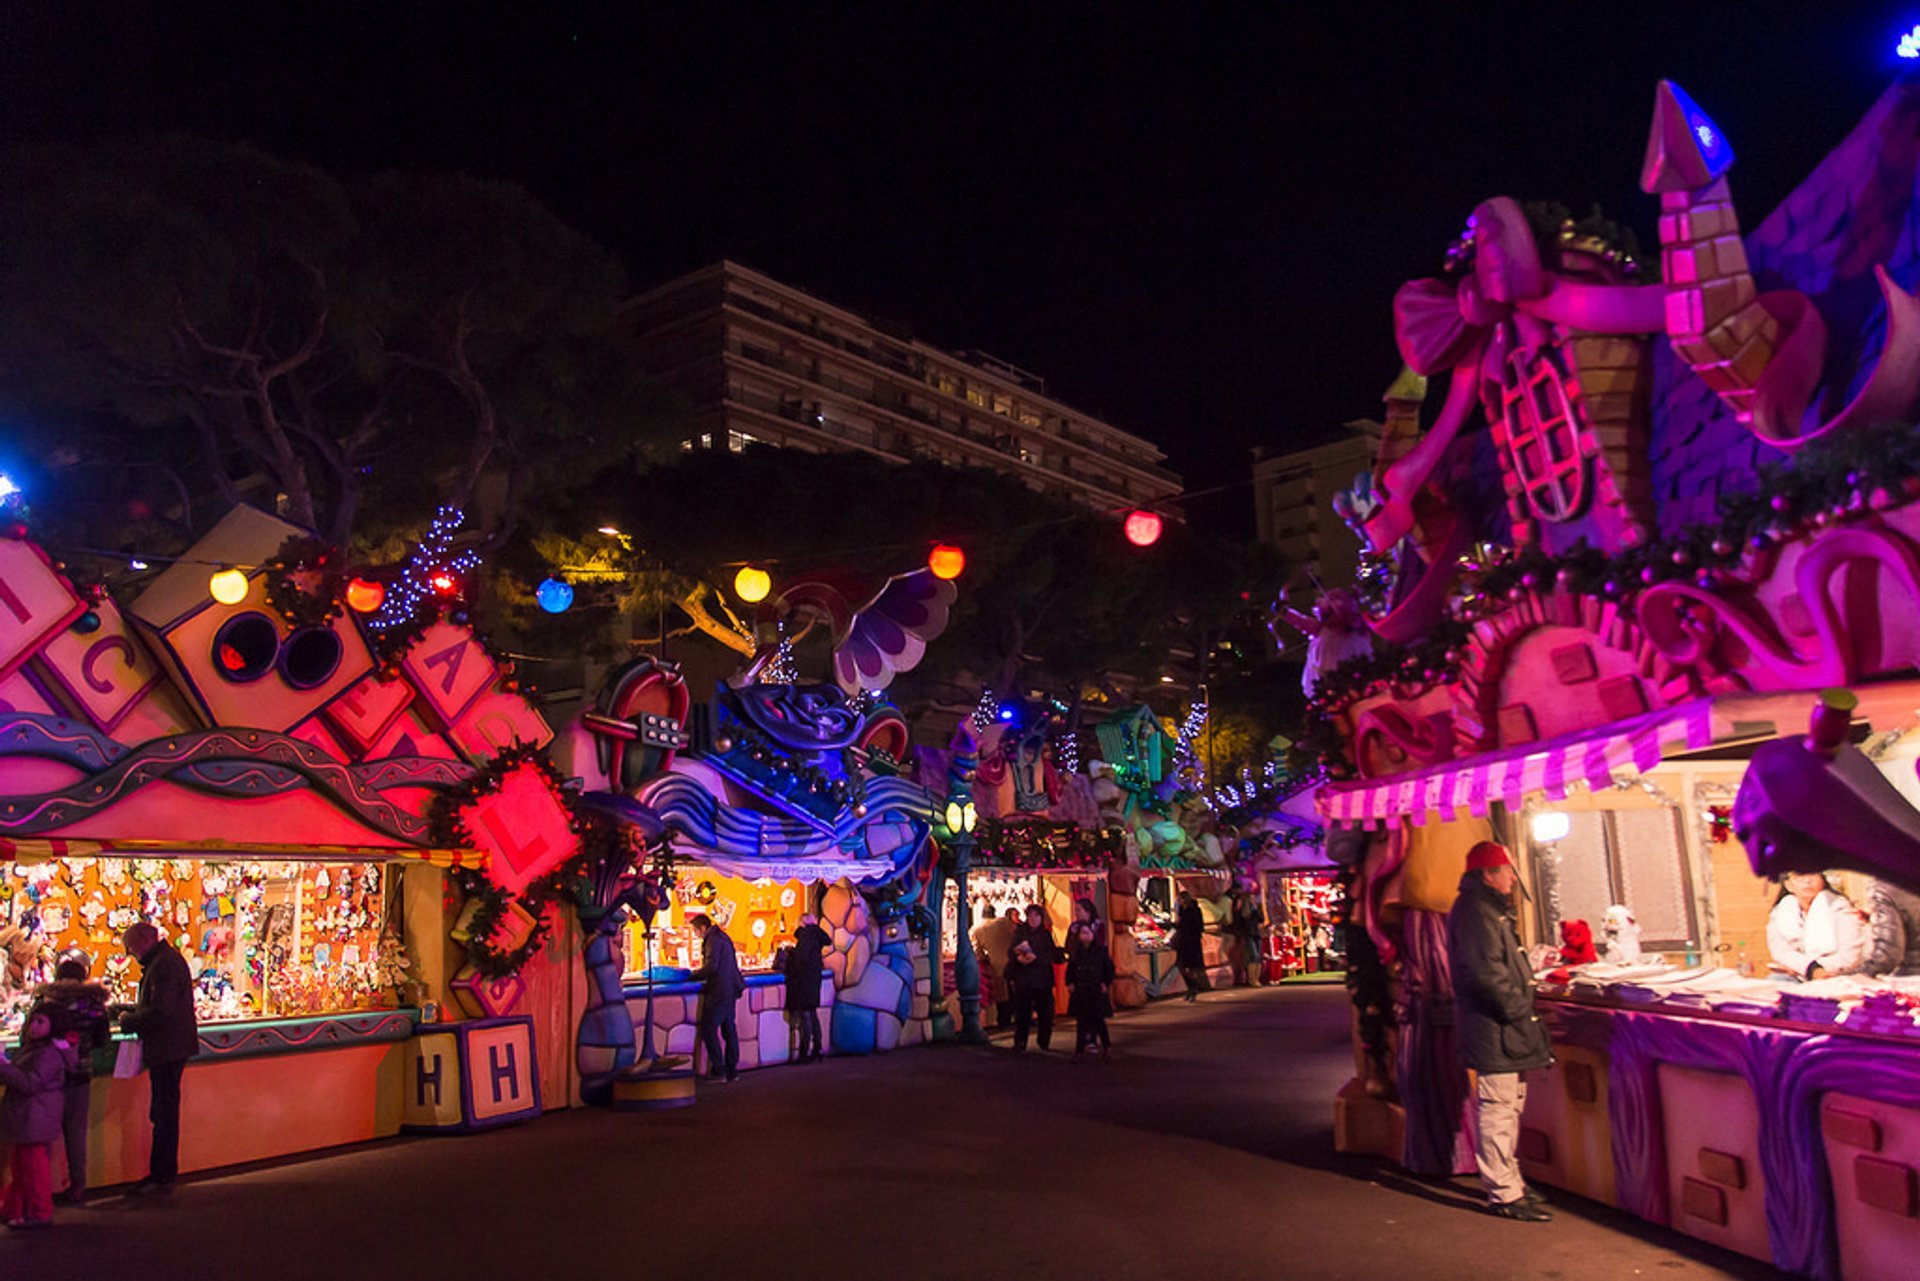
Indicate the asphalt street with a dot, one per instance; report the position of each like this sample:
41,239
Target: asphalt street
1203,1148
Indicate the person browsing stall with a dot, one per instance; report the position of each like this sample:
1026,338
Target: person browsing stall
83,1005
1500,1034
805,969
35,1077
720,987
1031,978
162,1017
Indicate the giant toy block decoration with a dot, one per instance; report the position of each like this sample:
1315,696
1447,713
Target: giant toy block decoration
477,1075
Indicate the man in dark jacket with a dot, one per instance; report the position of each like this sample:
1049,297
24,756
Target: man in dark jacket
1500,1035
162,1017
720,986
805,969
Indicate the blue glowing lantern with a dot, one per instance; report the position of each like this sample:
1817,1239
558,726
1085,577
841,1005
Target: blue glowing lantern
554,596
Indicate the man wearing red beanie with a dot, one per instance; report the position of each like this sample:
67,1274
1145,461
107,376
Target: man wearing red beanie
1500,1035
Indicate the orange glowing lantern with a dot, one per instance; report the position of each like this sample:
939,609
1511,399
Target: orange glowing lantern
946,560
364,595
1143,527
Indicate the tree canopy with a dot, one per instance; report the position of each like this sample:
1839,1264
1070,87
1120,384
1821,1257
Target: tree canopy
1052,596
184,320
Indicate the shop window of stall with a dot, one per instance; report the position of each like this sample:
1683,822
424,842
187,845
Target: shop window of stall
1589,860
759,915
263,939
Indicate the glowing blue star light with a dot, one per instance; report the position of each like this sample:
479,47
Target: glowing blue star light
1909,46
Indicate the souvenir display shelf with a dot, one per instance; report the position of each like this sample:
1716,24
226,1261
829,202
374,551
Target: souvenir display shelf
759,915
265,939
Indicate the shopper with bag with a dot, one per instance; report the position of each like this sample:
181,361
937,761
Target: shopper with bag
162,1017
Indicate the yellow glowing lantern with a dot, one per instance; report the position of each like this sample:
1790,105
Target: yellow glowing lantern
946,560
228,586
752,584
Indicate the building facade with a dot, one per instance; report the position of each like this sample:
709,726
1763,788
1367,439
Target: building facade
763,362
1293,502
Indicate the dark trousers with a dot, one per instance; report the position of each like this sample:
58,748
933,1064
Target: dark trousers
1091,1029
807,1023
1196,980
1029,1002
164,1111
716,1026
73,1129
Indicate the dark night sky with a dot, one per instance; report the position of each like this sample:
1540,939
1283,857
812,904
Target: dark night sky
1189,218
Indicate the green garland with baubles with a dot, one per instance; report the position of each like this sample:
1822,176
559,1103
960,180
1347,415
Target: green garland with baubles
1849,477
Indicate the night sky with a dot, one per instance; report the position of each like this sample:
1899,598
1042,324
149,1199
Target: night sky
1190,219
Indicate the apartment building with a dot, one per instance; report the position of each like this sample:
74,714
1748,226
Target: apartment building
1293,501
764,362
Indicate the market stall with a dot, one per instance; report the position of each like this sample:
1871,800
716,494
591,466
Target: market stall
237,759
1598,643
1009,892
1302,911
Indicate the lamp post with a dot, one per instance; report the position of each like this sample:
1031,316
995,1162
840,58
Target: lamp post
966,966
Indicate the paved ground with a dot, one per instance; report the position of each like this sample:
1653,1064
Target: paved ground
1202,1149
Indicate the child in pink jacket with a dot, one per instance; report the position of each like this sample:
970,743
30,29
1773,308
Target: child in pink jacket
35,1078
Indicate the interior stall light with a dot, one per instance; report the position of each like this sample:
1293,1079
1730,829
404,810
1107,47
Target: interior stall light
1551,825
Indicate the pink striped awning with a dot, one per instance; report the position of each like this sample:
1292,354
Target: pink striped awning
1596,758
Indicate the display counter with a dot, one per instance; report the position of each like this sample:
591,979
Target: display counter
1790,1141
759,1015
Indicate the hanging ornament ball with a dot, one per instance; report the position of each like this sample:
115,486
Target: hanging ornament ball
946,561
458,618
752,584
1143,527
228,586
554,596
87,623
1721,547
364,595
16,530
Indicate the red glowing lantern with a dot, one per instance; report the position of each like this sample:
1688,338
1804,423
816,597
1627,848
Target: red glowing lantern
1143,527
946,560
364,595
444,583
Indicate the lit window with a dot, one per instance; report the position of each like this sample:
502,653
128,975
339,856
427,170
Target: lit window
976,397
737,441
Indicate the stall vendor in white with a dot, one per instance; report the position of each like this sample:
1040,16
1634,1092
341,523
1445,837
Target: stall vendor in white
1815,930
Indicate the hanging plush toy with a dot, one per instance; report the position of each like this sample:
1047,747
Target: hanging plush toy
1576,943
1623,935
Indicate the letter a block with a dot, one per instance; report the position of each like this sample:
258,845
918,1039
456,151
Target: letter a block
462,1077
450,669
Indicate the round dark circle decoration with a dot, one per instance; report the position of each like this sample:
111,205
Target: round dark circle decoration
310,657
245,647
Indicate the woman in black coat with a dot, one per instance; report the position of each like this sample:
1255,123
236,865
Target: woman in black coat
1189,948
1031,979
805,968
1090,975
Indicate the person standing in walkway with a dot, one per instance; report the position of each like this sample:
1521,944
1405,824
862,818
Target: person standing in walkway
30,1119
1246,926
805,969
1034,956
720,987
1090,975
162,1017
83,1006
1189,945
1500,1033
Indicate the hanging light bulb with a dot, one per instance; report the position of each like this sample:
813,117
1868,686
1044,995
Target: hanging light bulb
752,584
365,594
1143,527
946,561
228,586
